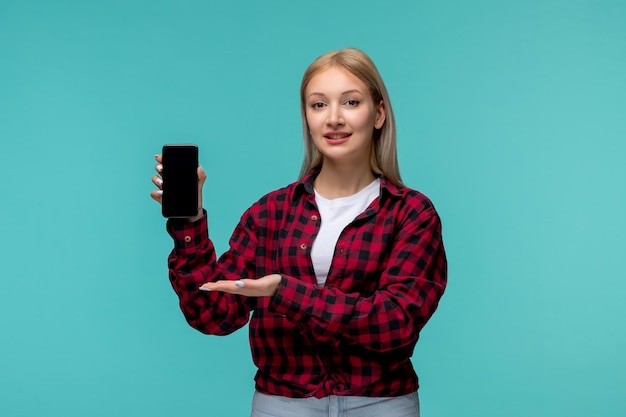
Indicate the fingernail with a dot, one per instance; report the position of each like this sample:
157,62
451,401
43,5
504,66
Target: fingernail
201,169
160,192
159,181
159,167
239,284
205,289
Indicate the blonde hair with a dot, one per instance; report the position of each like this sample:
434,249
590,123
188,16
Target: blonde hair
383,157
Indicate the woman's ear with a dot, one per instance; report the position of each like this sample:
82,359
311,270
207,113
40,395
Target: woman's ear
380,115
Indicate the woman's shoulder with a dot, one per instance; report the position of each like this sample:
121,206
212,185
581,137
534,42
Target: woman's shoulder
281,194
409,199
277,198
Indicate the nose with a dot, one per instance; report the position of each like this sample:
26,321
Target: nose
335,116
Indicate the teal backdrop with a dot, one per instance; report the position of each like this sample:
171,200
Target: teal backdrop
511,118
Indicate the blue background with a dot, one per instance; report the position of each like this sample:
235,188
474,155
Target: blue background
511,117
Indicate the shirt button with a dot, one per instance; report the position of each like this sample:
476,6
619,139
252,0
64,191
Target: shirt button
187,239
314,217
303,246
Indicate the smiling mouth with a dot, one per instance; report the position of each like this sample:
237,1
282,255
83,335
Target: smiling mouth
337,137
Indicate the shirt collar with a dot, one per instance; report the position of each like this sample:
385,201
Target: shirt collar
306,184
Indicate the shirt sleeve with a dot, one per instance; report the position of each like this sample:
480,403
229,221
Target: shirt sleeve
193,262
391,318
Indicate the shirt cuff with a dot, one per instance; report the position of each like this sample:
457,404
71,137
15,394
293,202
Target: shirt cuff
188,236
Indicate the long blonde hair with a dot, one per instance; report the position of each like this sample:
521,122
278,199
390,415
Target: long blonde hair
383,158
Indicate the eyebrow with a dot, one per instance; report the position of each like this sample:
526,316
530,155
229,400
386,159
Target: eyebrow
343,93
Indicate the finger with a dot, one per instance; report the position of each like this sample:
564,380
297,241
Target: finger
157,195
229,286
201,180
201,175
158,181
159,165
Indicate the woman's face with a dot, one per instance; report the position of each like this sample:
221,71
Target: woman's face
341,115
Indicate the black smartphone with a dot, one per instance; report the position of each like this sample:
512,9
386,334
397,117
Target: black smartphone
180,181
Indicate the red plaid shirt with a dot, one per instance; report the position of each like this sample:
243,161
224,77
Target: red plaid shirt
355,335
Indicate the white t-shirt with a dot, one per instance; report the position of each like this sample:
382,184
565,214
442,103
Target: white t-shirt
335,215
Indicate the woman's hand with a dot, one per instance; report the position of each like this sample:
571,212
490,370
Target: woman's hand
261,287
157,195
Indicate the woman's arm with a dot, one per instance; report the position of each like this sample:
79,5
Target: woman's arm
193,262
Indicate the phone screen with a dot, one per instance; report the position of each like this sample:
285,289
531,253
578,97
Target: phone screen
180,181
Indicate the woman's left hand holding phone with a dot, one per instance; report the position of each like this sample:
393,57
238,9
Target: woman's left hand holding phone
157,195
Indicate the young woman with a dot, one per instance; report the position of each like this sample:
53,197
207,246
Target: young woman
340,269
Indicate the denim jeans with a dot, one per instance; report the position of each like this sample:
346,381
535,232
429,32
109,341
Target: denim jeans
335,406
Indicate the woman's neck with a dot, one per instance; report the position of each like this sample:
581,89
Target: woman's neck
336,181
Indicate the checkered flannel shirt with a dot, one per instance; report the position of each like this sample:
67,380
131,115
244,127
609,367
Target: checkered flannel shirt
353,336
